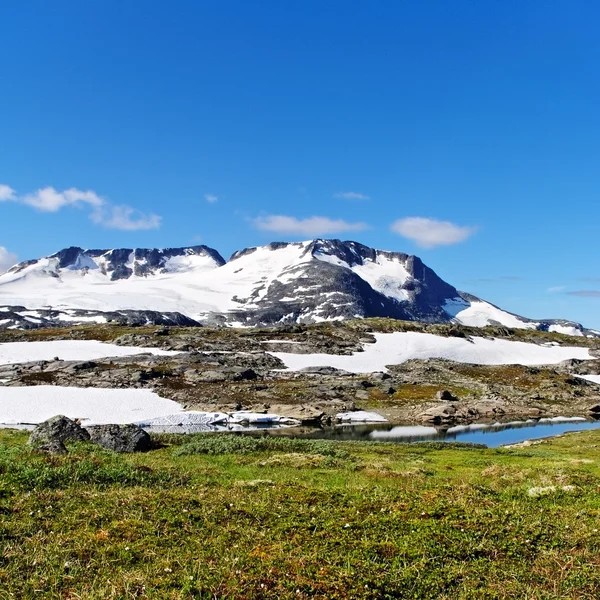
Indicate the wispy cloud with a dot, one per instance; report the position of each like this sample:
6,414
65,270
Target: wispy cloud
585,293
589,279
310,227
102,211
556,288
429,233
211,198
124,218
7,193
351,196
7,259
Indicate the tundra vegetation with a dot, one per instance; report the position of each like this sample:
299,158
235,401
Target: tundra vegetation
226,516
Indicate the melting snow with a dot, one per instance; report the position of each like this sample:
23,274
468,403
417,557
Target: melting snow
592,378
396,348
95,406
360,416
21,352
566,329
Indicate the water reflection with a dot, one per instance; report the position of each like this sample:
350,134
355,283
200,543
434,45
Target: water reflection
490,434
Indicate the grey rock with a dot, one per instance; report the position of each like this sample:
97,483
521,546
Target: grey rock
439,414
323,371
305,413
120,438
52,447
57,429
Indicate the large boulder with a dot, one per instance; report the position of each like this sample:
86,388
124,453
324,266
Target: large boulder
52,434
120,438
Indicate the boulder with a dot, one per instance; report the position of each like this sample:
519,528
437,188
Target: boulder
53,447
120,438
54,432
446,395
324,370
305,413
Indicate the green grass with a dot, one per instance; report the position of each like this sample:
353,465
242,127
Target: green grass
230,517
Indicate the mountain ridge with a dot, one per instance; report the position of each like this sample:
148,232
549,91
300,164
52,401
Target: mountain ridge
279,283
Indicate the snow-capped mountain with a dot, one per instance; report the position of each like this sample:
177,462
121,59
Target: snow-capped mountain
298,282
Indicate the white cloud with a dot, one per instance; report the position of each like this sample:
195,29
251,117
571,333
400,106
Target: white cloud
125,218
7,259
556,288
429,233
211,198
49,200
7,193
351,196
311,227
103,212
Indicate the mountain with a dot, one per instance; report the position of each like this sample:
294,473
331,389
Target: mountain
299,282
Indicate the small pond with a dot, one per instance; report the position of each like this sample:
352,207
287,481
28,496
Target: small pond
492,435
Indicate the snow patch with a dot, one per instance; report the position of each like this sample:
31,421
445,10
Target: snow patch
565,329
94,406
396,348
22,352
360,416
479,314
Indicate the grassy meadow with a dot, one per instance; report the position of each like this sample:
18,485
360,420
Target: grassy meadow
234,517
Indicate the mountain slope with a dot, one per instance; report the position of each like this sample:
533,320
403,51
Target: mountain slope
279,283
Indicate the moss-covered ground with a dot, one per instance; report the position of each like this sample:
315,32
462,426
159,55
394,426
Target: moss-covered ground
230,517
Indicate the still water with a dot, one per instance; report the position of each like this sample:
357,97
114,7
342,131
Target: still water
490,434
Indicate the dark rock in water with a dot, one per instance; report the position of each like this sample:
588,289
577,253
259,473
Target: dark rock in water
446,395
57,430
120,438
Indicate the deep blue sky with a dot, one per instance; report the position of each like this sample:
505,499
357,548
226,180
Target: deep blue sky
483,114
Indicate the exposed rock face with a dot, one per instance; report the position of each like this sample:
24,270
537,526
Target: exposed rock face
327,284
53,433
122,263
120,438
19,317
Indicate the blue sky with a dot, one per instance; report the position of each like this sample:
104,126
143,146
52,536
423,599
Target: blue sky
234,124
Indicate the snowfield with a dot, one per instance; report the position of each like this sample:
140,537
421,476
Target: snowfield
396,348
480,313
94,406
21,352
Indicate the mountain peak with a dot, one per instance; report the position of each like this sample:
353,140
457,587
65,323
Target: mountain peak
282,282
